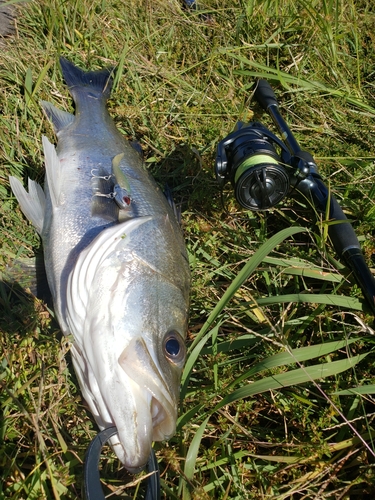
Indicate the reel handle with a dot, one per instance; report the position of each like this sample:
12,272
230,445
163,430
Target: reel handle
265,95
342,234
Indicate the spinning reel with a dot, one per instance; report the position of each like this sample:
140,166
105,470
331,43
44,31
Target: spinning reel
264,169
248,158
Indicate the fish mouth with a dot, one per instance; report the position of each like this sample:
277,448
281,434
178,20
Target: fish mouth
155,403
137,401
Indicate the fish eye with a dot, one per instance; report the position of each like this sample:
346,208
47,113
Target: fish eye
174,347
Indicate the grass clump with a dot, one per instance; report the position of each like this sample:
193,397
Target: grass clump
277,393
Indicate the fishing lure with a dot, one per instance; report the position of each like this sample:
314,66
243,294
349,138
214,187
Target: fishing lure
121,190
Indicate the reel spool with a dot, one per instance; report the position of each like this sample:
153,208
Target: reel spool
249,160
262,185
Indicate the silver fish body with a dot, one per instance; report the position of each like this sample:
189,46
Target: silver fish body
118,271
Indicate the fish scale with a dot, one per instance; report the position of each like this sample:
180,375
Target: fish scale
119,277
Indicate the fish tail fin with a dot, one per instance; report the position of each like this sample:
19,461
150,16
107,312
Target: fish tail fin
97,83
32,203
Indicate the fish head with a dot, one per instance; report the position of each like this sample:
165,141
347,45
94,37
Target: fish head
152,361
130,346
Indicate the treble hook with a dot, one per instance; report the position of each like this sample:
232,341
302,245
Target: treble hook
104,177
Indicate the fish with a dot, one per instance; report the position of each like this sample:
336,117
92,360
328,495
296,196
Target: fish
117,267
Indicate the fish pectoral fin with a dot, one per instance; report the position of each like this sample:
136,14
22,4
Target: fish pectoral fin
53,171
32,203
59,118
30,274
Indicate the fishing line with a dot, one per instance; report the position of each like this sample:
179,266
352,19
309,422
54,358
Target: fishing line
92,487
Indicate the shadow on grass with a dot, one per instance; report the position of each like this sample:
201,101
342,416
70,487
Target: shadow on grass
22,282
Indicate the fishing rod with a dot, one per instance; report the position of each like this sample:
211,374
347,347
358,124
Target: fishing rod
264,169
92,486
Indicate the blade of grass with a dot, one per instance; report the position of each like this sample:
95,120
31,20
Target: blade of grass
289,80
192,359
294,355
244,274
191,459
293,377
314,298
303,268
363,389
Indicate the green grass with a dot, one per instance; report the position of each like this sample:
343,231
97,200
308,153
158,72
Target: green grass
278,390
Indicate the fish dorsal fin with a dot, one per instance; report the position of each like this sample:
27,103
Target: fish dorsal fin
32,203
53,171
59,118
